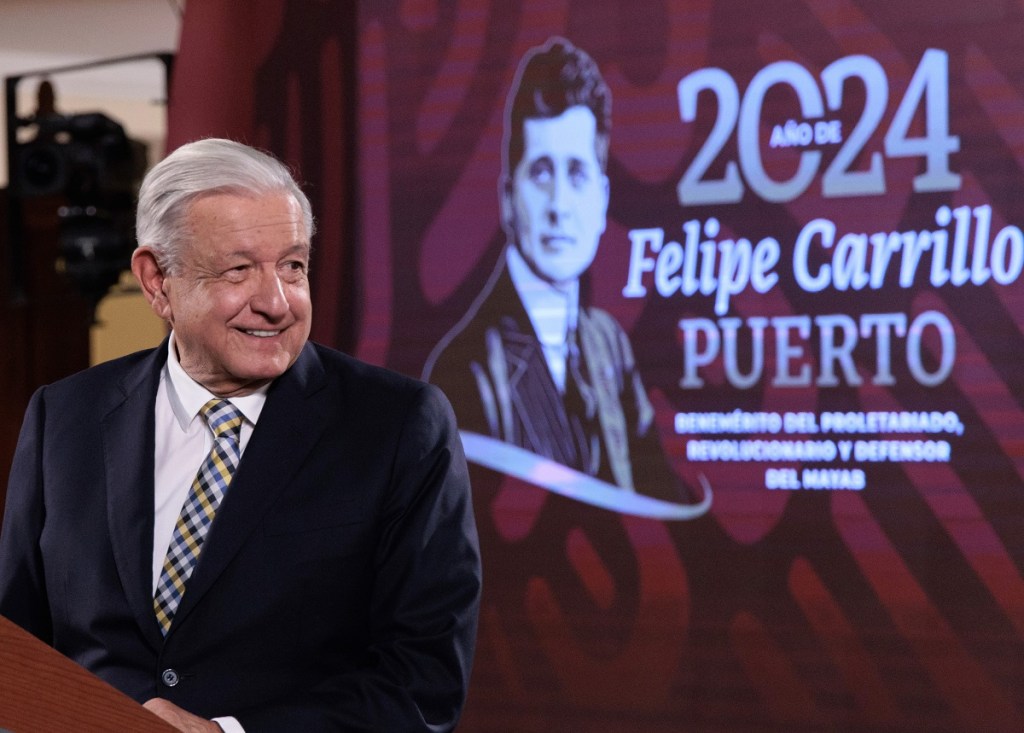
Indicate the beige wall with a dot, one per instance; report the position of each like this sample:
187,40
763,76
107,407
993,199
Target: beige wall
124,324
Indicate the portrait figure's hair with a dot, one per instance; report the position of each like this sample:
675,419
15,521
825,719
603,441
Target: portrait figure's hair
198,169
551,79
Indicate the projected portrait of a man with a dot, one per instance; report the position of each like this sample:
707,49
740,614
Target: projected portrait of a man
546,372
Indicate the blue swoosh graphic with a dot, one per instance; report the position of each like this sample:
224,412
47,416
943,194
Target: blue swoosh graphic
559,479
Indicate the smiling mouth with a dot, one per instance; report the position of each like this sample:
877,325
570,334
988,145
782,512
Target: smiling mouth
258,333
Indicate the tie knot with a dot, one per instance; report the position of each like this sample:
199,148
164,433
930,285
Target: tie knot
222,417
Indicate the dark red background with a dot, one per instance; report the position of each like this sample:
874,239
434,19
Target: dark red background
898,608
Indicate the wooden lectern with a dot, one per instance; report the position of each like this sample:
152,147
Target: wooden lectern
42,691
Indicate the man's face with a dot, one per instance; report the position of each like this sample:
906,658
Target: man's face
558,195
240,304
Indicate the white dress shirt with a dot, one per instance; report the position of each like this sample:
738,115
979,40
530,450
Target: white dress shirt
183,440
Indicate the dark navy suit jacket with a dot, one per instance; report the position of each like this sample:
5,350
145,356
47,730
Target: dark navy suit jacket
338,588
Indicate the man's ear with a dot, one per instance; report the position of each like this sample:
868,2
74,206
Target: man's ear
605,194
508,208
152,280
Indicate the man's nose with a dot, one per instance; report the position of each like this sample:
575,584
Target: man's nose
269,297
559,198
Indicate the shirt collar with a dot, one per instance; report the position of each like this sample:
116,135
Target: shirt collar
553,311
187,396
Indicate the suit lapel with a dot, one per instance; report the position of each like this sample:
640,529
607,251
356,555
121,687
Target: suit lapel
523,355
289,426
529,378
602,369
128,448
539,410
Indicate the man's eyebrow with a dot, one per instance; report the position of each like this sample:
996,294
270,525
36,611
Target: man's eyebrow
302,248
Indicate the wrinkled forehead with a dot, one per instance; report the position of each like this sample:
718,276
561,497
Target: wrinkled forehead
228,221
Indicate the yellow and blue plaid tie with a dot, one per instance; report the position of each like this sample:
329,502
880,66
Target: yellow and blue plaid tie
199,509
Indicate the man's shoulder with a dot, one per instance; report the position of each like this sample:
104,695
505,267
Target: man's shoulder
602,320
356,375
94,378
497,310
385,395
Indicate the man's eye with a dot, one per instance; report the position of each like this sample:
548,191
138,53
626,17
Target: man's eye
541,172
578,174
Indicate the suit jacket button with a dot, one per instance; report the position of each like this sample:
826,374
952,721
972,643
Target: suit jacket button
169,677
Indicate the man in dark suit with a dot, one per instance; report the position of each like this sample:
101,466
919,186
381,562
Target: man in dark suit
530,364
336,586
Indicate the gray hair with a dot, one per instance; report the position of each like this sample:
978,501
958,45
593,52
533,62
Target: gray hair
198,169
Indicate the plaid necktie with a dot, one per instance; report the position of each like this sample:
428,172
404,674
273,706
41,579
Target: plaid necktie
199,509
